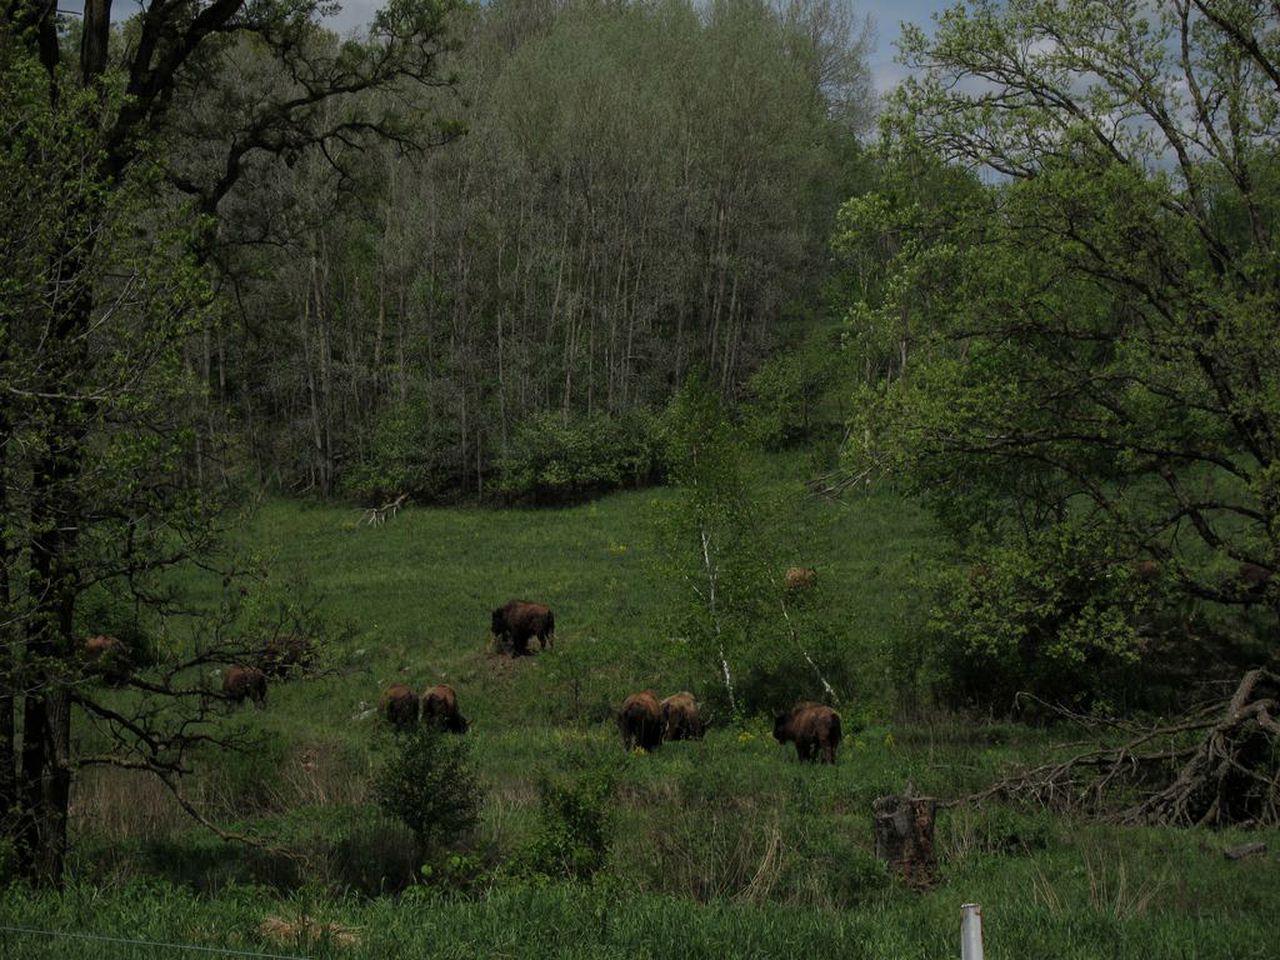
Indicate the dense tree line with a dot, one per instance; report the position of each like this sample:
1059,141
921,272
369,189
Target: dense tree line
640,189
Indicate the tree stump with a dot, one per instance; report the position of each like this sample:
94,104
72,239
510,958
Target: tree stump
904,838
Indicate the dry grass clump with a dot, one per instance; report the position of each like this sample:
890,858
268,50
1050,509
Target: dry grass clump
306,932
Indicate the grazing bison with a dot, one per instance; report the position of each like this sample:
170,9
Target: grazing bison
797,579
640,721
281,654
240,682
680,719
400,705
440,709
813,727
519,620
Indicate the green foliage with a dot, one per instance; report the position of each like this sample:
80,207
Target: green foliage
575,827
1060,619
552,460
1070,363
712,538
429,784
412,451
789,396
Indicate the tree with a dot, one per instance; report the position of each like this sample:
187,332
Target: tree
1092,335
104,234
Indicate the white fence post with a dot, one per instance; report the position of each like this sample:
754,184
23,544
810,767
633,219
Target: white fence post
971,932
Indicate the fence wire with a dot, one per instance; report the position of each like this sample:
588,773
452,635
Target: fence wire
5,931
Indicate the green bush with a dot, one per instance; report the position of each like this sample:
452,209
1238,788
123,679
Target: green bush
575,827
790,399
1059,619
413,450
551,460
430,785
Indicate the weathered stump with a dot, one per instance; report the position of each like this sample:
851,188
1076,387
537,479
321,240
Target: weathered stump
904,838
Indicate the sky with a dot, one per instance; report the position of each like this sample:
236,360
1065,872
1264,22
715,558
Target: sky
888,15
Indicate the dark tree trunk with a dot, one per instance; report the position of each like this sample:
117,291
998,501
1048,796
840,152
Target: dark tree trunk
904,837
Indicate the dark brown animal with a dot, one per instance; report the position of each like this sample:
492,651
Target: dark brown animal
800,578
680,718
106,657
241,682
1254,575
280,655
815,729
440,709
400,705
519,620
640,721
1146,570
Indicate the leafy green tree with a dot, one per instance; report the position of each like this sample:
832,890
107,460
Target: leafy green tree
104,235
1088,346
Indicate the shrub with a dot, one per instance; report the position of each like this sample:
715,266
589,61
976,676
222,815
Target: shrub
550,460
430,785
1059,619
575,828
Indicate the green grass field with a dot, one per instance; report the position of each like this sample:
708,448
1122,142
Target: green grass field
725,847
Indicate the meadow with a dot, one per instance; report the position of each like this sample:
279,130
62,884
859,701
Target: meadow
723,847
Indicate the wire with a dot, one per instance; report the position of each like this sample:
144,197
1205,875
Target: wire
154,943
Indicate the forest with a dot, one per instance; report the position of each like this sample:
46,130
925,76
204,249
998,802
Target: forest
932,428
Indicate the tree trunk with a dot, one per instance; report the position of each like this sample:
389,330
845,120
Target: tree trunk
904,837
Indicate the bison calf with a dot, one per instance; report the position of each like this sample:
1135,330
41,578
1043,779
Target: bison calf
400,706
680,718
814,729
640,721
519,620
440,709
240,682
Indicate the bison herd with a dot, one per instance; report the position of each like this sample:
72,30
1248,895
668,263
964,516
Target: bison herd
644,721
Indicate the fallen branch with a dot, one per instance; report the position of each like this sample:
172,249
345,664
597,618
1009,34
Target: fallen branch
378,515
1217,766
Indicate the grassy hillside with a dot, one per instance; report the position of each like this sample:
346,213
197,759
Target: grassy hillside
721,847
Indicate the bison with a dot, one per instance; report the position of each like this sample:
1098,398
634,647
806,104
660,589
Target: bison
106,657
640,721
813,727
519,620
240,682
797,579
680,719
440,709
400,705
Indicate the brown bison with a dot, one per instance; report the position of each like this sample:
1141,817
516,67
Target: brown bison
240,682
106,657
813,727
440,709
400,705
280,655
640,721
519,620
680,719
797,579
